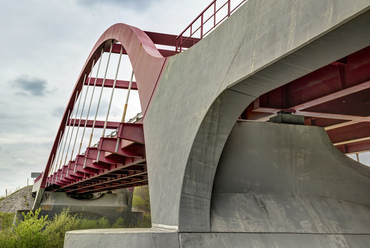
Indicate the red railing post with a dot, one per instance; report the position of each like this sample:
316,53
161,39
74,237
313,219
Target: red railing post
179,40
177,45
201,27
228,8
214,14
181,43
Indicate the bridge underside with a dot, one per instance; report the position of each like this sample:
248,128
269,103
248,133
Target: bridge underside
335,97
117,162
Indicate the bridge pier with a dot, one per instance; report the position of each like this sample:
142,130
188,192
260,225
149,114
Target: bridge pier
112,206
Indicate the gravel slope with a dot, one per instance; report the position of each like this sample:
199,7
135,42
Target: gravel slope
20,200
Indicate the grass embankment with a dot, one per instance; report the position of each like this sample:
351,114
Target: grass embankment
6,220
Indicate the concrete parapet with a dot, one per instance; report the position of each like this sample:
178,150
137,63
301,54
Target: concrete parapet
278,240
122,238
126,238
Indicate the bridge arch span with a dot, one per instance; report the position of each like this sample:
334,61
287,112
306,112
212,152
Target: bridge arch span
147,65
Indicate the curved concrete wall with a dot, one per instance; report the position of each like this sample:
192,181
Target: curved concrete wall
288,178
263,45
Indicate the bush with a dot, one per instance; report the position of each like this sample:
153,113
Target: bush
5,237
26,234
141,199
38,231
146,222
61,224
6,220
65,222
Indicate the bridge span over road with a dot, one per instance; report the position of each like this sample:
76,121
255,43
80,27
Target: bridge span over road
220,176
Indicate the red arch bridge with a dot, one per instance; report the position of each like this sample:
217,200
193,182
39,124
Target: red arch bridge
243,132
334,96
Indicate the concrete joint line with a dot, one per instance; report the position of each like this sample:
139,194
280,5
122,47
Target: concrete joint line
197,196
165,227
241,92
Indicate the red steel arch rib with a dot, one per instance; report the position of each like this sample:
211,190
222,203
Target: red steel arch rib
147,63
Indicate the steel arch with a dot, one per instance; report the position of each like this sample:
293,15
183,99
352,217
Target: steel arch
147,63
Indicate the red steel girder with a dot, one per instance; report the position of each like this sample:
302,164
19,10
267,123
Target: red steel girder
98,124
102,174
121,184
86,185
120,84
131,131
350,148
321,100
123,148
349,134
337,80
117,49
335,97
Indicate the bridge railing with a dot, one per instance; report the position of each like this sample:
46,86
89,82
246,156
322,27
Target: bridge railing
215,13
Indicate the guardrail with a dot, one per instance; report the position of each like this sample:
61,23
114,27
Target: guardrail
210,17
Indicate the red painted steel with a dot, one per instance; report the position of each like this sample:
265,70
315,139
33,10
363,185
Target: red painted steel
165,53
183,41
120,84
335,97
131,131
148,64
98,124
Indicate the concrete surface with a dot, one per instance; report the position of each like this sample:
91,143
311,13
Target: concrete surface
276,240
112,206
288,178
122,238
263,45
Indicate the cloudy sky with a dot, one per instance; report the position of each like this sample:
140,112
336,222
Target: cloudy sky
44,46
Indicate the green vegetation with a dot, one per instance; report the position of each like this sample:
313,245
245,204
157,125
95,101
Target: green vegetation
38,231
6,220
41,232
27,233
141,202
146,222
141,199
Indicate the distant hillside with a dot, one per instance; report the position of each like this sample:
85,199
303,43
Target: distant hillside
20,200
